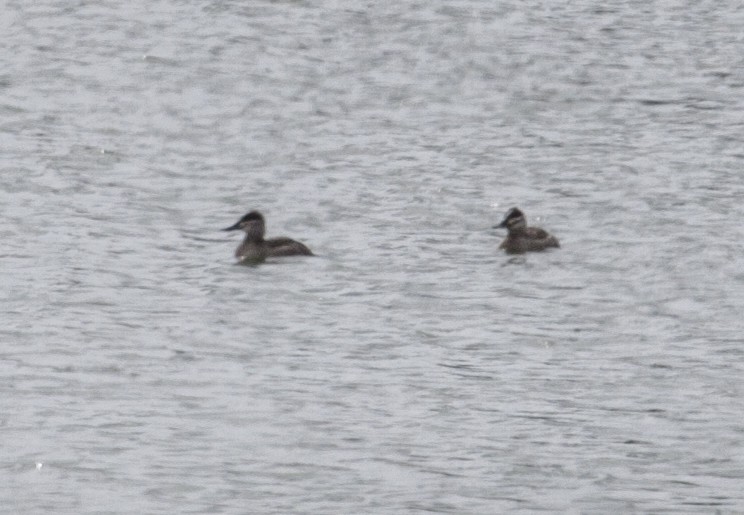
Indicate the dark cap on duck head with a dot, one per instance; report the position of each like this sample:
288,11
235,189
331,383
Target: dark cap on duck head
512,214
252,216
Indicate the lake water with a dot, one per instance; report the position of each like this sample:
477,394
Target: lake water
411,366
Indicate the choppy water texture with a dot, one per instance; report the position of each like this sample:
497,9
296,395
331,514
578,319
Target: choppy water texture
411,366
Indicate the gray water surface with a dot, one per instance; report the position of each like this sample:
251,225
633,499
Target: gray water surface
410,366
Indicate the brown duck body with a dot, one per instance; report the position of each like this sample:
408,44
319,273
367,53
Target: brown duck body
523,239
258,250
531,239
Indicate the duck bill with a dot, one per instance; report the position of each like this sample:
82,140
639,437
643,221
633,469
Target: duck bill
502,225
232,227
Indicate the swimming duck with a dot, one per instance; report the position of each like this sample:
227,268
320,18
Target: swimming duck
256,248
522,238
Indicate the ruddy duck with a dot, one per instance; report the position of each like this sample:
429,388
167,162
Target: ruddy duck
255,248
521,238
